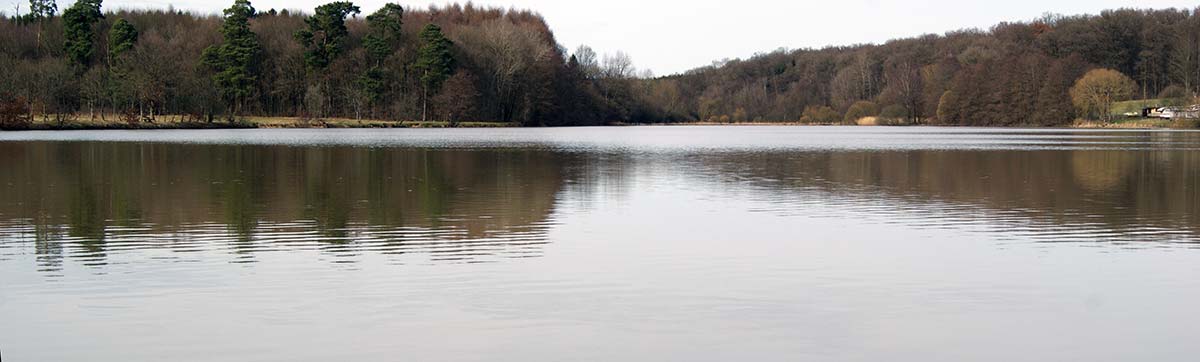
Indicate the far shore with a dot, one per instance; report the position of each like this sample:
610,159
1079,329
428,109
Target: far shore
1143,123
178,122
250,122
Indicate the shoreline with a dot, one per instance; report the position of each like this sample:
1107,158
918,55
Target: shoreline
172,122
1135,124
259,122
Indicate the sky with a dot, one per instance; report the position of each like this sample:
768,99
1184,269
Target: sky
673,36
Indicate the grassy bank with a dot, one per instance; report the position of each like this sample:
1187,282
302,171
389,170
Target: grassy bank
295,122
1132,123
1140,123
176,122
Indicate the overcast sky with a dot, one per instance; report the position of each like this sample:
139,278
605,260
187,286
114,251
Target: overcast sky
673,36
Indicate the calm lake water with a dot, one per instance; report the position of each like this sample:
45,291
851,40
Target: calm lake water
622,244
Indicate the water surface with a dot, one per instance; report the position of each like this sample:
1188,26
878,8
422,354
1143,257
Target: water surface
640,243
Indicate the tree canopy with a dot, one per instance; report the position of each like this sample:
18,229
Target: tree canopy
435,62
121,38
386,31
42,10
506,65
1015,73
235,59
1096,92
326,33
79,22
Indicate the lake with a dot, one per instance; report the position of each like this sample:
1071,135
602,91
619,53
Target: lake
621,243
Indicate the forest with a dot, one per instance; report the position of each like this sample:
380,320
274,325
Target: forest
453,63
468,63
1018,73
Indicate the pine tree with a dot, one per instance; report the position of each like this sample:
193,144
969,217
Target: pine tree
324,40
121,38
386,26
41,10
235,60
326,33
435,62
380,43
78,22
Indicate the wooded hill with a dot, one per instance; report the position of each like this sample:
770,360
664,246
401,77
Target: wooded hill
1013,74
467,63
454,63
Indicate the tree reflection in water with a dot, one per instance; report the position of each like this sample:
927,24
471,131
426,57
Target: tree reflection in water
86,200
454,205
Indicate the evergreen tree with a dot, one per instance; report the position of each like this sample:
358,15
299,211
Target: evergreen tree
386,26
372,83
435,62
121,38
42,10
380,43
323,39
78,22
235,59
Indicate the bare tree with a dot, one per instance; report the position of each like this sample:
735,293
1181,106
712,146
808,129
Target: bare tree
588,61
618,66
508,53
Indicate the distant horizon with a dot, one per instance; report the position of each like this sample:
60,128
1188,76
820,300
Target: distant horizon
690,50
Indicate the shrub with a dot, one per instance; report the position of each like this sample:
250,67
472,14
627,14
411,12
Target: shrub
14,112
1185,123
1173,92
740,115
820,115
894,111
945,107
859,110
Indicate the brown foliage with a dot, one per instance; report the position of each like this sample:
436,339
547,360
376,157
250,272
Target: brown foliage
14,112
1016,73
820,115
457,100
1096,91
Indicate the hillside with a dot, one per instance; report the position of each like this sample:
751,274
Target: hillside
1012,74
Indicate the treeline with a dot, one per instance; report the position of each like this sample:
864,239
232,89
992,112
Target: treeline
453,63
467,63
1013,74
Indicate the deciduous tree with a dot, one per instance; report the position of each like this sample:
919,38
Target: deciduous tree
1097,90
